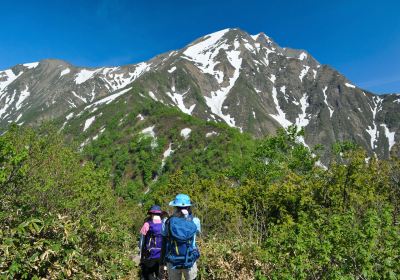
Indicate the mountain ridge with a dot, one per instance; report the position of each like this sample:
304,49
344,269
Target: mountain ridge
246,81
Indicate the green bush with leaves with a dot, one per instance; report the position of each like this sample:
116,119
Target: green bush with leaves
268,210
58,214
301,221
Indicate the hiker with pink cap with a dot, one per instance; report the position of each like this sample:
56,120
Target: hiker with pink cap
150,244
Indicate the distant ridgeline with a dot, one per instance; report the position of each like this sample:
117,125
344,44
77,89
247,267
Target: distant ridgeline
245,81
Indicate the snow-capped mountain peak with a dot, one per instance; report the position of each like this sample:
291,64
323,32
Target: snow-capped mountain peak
246,81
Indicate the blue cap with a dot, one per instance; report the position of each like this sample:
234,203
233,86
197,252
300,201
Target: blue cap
155,209
181,200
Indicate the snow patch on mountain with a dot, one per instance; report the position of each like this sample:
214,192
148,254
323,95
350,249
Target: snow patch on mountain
140,117
140,69
373,129
24,94
8,102
186,132
303,72
301,120
255,37
88,123
116,78
265,59
349,85
149,131
389,135
250,47
172,69
6,78
204,52
168,152
69,116
84,75
217,98
79,97
326,101
281,116
17,119
178,98
93,93
283,90
31,65
65,72
257,90
98,134
272,78
153,96
108,99
119,81
212,133
315,73
302,56
71,103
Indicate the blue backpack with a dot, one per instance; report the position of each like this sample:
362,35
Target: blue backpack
181,251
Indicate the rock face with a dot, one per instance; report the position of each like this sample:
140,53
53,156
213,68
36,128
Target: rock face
246,81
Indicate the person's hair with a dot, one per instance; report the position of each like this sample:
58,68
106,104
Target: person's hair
179,213
164,215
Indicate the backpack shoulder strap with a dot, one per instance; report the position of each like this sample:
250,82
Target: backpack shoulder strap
167,227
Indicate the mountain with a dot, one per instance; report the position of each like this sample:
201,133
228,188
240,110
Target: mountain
246,81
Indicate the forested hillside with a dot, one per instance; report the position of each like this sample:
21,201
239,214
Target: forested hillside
268,210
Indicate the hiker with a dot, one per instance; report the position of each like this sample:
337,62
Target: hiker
150,244
179,250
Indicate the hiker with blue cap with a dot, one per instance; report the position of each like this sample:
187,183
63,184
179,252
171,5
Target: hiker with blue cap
150,244
179,250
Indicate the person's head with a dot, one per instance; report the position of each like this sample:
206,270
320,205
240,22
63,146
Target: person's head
181,200
155,210
182,204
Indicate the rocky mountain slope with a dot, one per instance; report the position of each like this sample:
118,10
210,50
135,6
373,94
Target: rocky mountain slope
246,81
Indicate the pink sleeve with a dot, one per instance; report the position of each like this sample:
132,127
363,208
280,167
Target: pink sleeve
145,228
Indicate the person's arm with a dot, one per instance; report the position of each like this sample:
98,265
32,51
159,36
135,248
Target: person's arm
143,231
141,243
196,221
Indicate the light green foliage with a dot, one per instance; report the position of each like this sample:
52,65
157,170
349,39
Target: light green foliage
335,246
301,220
57,213
267,210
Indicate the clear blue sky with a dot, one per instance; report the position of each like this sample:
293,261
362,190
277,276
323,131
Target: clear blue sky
361,39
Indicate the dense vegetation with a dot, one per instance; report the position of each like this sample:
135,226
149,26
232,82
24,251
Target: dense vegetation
268,210
290,219
58,217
